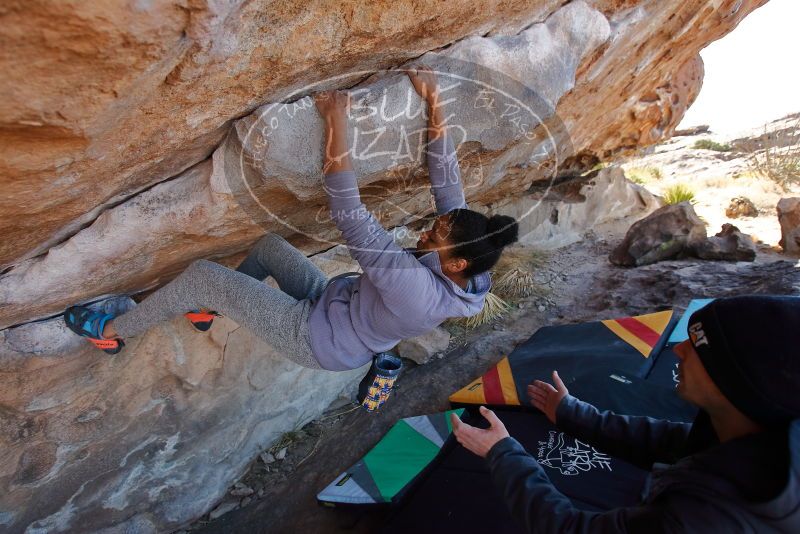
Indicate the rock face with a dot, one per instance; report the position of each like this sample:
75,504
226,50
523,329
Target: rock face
152,437
422,348
729,244
161,102
669,232
141,136
266,174
789,217
561,214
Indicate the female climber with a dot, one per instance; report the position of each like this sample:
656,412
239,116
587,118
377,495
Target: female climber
339,324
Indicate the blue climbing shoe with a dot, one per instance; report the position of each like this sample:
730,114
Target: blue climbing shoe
202,319
89,324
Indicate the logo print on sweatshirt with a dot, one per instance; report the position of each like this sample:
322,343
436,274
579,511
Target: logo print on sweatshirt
556,453
697,335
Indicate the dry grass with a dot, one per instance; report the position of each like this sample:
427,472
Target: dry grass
494,307
516,283
518,257
287,439
512,280
708,144
642,175
776,161
513,274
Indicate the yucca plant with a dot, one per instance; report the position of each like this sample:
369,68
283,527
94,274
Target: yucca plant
678,193
513,275
515,283
493,308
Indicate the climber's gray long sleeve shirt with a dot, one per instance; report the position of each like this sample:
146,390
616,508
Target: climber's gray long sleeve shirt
398,296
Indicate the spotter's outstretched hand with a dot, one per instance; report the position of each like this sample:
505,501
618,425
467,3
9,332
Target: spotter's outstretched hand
479,440
546,397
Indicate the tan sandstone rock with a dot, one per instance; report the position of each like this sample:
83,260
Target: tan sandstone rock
163,427
266,175
741,207
422,348
101,102
167,80
552,217
789,218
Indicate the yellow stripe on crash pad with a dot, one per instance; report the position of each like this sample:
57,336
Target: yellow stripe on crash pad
657,321
507,382
496,387
471,394
641,332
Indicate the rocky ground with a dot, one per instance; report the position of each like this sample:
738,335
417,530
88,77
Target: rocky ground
278,495
718,176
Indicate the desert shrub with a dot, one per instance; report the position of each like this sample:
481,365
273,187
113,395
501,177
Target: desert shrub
641,175
635,178
597,167
678,193
515,283
512,280
493,308
781,164
708,144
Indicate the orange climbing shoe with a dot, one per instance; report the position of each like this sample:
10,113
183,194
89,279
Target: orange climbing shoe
201,319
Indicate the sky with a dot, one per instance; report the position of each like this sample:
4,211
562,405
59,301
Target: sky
752,75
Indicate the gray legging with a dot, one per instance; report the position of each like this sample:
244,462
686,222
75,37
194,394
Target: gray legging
279,317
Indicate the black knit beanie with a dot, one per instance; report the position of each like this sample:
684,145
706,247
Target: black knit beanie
750,347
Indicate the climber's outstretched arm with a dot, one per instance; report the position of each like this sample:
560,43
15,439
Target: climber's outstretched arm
443,168
334,106
423,78
394,271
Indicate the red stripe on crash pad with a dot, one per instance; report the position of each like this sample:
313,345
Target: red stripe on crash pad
492,389
640,330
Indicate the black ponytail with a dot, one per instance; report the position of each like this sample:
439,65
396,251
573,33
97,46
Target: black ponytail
502,230
479,239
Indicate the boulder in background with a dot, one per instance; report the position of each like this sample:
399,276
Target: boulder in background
789,218
741,207
667,233
729,244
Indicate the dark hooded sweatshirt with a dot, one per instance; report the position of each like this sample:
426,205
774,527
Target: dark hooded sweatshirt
749,484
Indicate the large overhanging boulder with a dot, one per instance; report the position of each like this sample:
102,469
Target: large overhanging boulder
597,78
266,175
